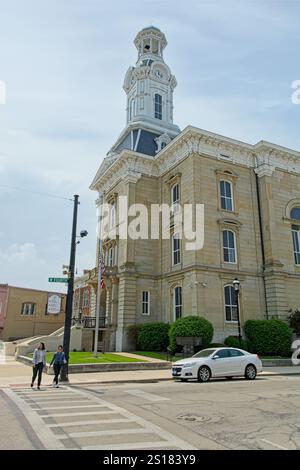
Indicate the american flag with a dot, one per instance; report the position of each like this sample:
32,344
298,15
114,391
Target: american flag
102,270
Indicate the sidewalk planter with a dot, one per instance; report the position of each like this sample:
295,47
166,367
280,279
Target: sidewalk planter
104,367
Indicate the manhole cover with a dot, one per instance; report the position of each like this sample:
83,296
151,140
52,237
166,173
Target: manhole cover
194,418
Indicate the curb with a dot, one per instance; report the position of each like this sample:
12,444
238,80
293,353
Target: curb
164,379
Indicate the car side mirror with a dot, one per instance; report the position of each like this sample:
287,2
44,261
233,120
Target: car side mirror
216,357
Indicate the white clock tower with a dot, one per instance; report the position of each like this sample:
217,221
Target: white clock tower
149,87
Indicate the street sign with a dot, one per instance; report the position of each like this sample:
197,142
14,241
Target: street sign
58,279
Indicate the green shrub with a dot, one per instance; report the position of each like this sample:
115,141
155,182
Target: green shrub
269,337
294,320
191,326
233,342
153,337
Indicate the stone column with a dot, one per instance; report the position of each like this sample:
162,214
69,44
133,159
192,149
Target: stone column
274,275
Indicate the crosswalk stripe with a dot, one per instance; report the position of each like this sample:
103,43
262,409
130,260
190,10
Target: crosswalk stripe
112,432
86,423
79,413
133,445
52,402
68,407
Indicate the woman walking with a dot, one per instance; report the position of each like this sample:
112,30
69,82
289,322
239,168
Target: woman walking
58,360
39,362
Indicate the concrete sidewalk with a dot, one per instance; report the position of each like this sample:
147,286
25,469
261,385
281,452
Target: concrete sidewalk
13,373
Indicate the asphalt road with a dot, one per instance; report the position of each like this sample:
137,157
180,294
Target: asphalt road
236,414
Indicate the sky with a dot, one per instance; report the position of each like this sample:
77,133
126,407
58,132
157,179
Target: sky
63,63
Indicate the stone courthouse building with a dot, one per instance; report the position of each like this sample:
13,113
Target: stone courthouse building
251,197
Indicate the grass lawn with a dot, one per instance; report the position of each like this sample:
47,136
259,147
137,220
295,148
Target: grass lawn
87,357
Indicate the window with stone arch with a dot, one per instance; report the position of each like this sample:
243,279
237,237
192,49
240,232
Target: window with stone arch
226,195
295,216
229,246
177,302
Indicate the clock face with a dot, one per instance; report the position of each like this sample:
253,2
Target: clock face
158,73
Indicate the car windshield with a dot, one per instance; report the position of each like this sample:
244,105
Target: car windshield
205,353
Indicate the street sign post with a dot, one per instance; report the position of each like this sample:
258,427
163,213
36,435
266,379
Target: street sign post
58,279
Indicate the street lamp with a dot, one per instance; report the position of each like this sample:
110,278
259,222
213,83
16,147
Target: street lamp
71,275
236,284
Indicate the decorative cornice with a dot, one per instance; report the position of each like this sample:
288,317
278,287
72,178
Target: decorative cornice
264,170
264,157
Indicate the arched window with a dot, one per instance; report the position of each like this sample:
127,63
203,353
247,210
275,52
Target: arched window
177,303
229,246
226,195
230,304
295,215
157,106
28,308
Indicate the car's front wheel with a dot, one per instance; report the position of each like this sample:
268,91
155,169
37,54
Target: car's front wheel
250,372
204,374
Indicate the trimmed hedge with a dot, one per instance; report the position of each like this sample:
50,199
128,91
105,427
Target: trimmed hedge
269,337
233,342
153,337
191,326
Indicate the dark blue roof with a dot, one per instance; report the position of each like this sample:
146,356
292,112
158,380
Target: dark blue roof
146,142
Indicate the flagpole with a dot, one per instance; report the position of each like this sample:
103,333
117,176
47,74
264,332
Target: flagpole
99,287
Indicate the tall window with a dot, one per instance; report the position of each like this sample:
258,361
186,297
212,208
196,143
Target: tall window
28,309
86,298
177,303
226,195
295,214
296,243
146,302
230,304
229,249
111,257
175,198
175,249
158,106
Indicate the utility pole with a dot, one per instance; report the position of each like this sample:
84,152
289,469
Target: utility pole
69,305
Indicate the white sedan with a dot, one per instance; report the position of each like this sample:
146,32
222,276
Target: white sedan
217,362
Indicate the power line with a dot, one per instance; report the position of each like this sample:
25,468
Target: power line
35,192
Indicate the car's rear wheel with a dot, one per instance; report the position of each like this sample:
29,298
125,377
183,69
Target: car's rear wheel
204,374
250,372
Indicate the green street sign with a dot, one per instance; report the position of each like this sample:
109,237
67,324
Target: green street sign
58,279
